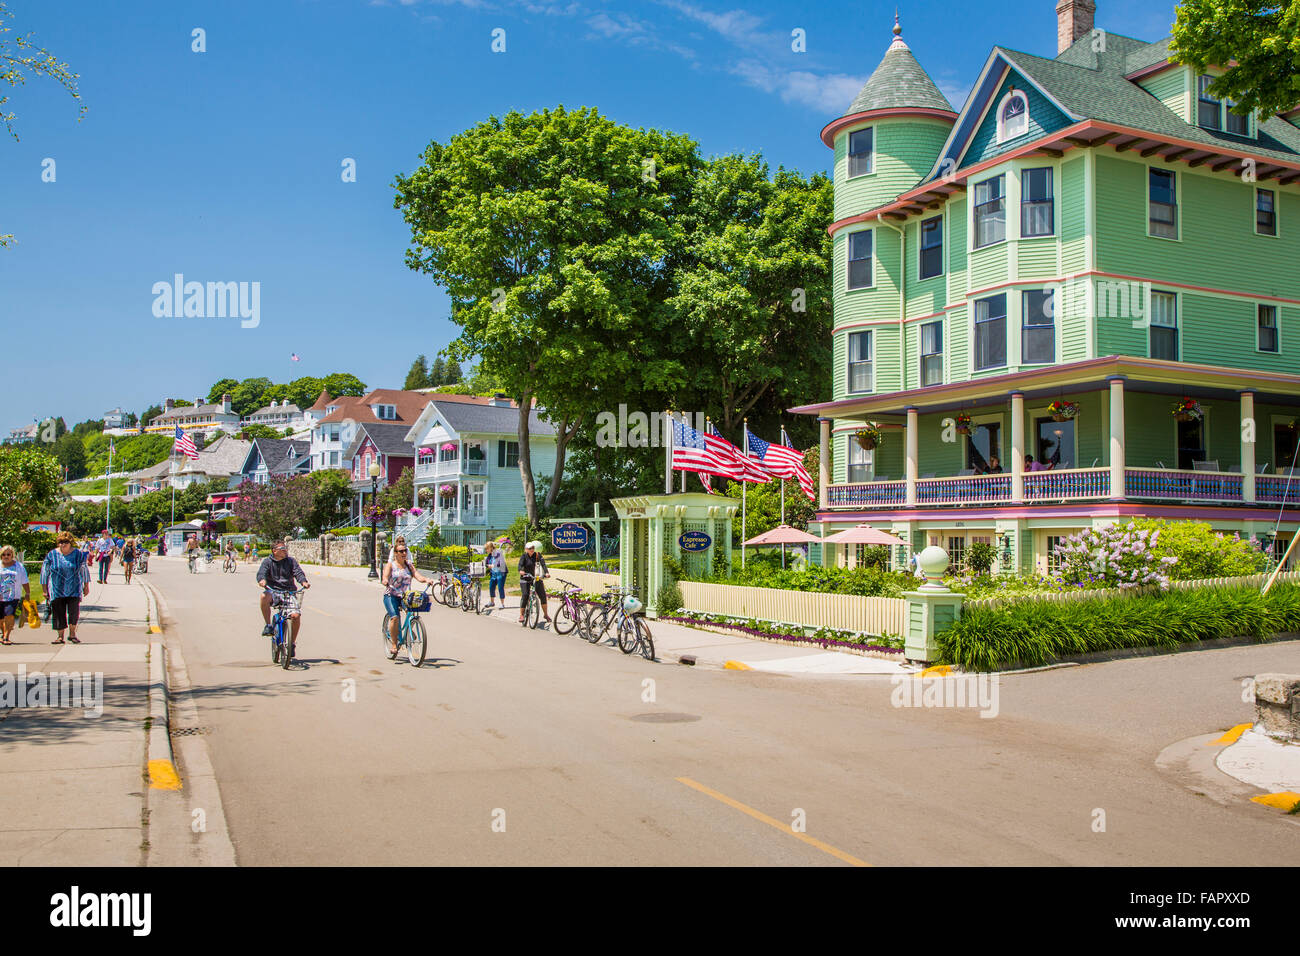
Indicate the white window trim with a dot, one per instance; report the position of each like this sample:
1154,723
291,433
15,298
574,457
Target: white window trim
1178,203
848,138
848,262
1254,213
972,244
1277,328
848,459
1178,319
1003,137
1011,308
848,360
1056,326
1055,234
921,355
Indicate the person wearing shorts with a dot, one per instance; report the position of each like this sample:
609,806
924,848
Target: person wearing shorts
496,568
399,572
128,558
65,577
14,589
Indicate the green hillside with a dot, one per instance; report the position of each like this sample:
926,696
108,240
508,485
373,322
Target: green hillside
132,452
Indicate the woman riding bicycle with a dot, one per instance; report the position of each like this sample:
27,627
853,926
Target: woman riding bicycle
530,563
399,572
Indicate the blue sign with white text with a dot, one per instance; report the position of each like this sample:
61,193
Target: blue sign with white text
569,537
694,541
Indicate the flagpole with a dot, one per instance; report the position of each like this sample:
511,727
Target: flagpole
108,476
783,501
668,452
744,487
686,421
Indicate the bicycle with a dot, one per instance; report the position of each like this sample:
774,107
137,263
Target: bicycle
142,563
569,614
411,632
604,613
471,591
285,603
533,604
229,565
633,631
193,559
451,591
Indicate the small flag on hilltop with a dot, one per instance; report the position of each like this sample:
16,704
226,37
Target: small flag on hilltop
293,357
783,461
185,444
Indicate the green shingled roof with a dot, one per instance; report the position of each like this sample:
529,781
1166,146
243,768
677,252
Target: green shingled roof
899,83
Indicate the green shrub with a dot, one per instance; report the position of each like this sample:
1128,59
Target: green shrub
863,581
1203,552
980,557
670,598
1033,633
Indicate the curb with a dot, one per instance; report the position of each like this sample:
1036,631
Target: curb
153,615
162,766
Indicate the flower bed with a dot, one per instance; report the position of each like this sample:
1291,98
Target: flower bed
1032,633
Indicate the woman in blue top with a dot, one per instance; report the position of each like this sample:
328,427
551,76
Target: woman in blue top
65,577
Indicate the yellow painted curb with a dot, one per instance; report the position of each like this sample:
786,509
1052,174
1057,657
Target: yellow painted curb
938,670
163,776
1283,801
155,629
736,666
1229,737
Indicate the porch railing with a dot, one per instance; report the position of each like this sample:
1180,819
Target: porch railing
462,516
451,468
1071,484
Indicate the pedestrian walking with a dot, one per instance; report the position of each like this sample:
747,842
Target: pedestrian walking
248,550
65,578
103,549
128,558
496,568
14,589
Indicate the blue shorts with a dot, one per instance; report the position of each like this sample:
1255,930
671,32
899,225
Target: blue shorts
9,608
393,604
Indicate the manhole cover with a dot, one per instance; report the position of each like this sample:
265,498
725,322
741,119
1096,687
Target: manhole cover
666,718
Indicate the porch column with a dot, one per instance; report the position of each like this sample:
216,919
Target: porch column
1116,438
824,462
1017,446
912,442
1248,447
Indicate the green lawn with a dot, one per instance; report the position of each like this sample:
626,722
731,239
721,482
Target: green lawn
97,487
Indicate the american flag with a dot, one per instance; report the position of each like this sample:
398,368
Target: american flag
709,454
185,444
293,357
782,460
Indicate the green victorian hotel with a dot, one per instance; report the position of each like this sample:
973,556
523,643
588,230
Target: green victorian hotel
1091,232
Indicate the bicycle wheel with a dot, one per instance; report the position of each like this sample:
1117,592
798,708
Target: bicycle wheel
449,596
626,635
388,638
275,642
476,596
416,644
594,625
466,597
645,643
286,643
564,619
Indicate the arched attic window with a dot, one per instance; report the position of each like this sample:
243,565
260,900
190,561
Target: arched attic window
1013,116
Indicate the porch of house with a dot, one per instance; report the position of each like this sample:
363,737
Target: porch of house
1123,455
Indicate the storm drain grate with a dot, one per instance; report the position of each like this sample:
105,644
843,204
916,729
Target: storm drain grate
188,731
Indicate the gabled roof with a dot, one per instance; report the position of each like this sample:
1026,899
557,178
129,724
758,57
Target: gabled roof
388,438
322,400
274,452
1152,54
899,82
490,420
225,456
408,405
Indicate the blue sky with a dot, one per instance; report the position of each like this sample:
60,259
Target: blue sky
225,165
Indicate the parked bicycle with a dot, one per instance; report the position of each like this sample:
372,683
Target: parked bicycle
570,613
411,633
284,604
142,562
532,611
606,613
633,631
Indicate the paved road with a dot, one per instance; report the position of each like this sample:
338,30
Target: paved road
553,739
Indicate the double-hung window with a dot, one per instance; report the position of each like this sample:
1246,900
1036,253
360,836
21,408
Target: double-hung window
860,259
1036,203
507,454
932,353
860,372
1266,326
990,212
931,247
1209,111
1038,331
1164,326
1265,212
859,460
991,332
1235,123
860,143
1163,195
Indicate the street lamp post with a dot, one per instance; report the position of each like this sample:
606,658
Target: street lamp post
374,492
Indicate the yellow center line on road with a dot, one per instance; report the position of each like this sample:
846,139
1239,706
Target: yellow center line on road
764,818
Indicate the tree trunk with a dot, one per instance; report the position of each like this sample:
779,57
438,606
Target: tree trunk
526,459
563,436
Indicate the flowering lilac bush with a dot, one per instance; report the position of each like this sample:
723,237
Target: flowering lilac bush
1115,556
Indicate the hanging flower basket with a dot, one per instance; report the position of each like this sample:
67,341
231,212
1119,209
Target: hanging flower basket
1188,410
447,490
963,424
868,438
448,446
1063,411
417,512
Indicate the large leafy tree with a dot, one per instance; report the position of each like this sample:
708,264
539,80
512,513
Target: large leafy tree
341,383
29,478
1260,37
755,294
277,507
19,59
331,499
554,235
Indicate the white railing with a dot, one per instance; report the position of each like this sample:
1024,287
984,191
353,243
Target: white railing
462,516
451,468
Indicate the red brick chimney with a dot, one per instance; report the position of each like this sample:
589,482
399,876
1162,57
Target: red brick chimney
1074,19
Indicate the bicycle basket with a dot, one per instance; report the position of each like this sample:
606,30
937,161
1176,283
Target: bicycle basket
417,600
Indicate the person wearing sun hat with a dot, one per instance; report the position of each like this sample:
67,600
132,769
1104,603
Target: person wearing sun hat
530,563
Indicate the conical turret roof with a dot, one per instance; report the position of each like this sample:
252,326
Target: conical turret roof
900,82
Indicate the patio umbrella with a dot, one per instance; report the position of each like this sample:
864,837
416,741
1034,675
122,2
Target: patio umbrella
783,534
862,534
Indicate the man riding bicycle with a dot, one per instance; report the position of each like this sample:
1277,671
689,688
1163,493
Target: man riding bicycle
230,552
192,549
529,564
278,573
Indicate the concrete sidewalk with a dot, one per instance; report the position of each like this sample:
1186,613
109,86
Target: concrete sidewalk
707,648
72,783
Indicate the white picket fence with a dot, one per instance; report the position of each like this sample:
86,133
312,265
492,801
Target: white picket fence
841,612
1252,580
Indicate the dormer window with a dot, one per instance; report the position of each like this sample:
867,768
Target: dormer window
1013,116
1217,114
385,412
